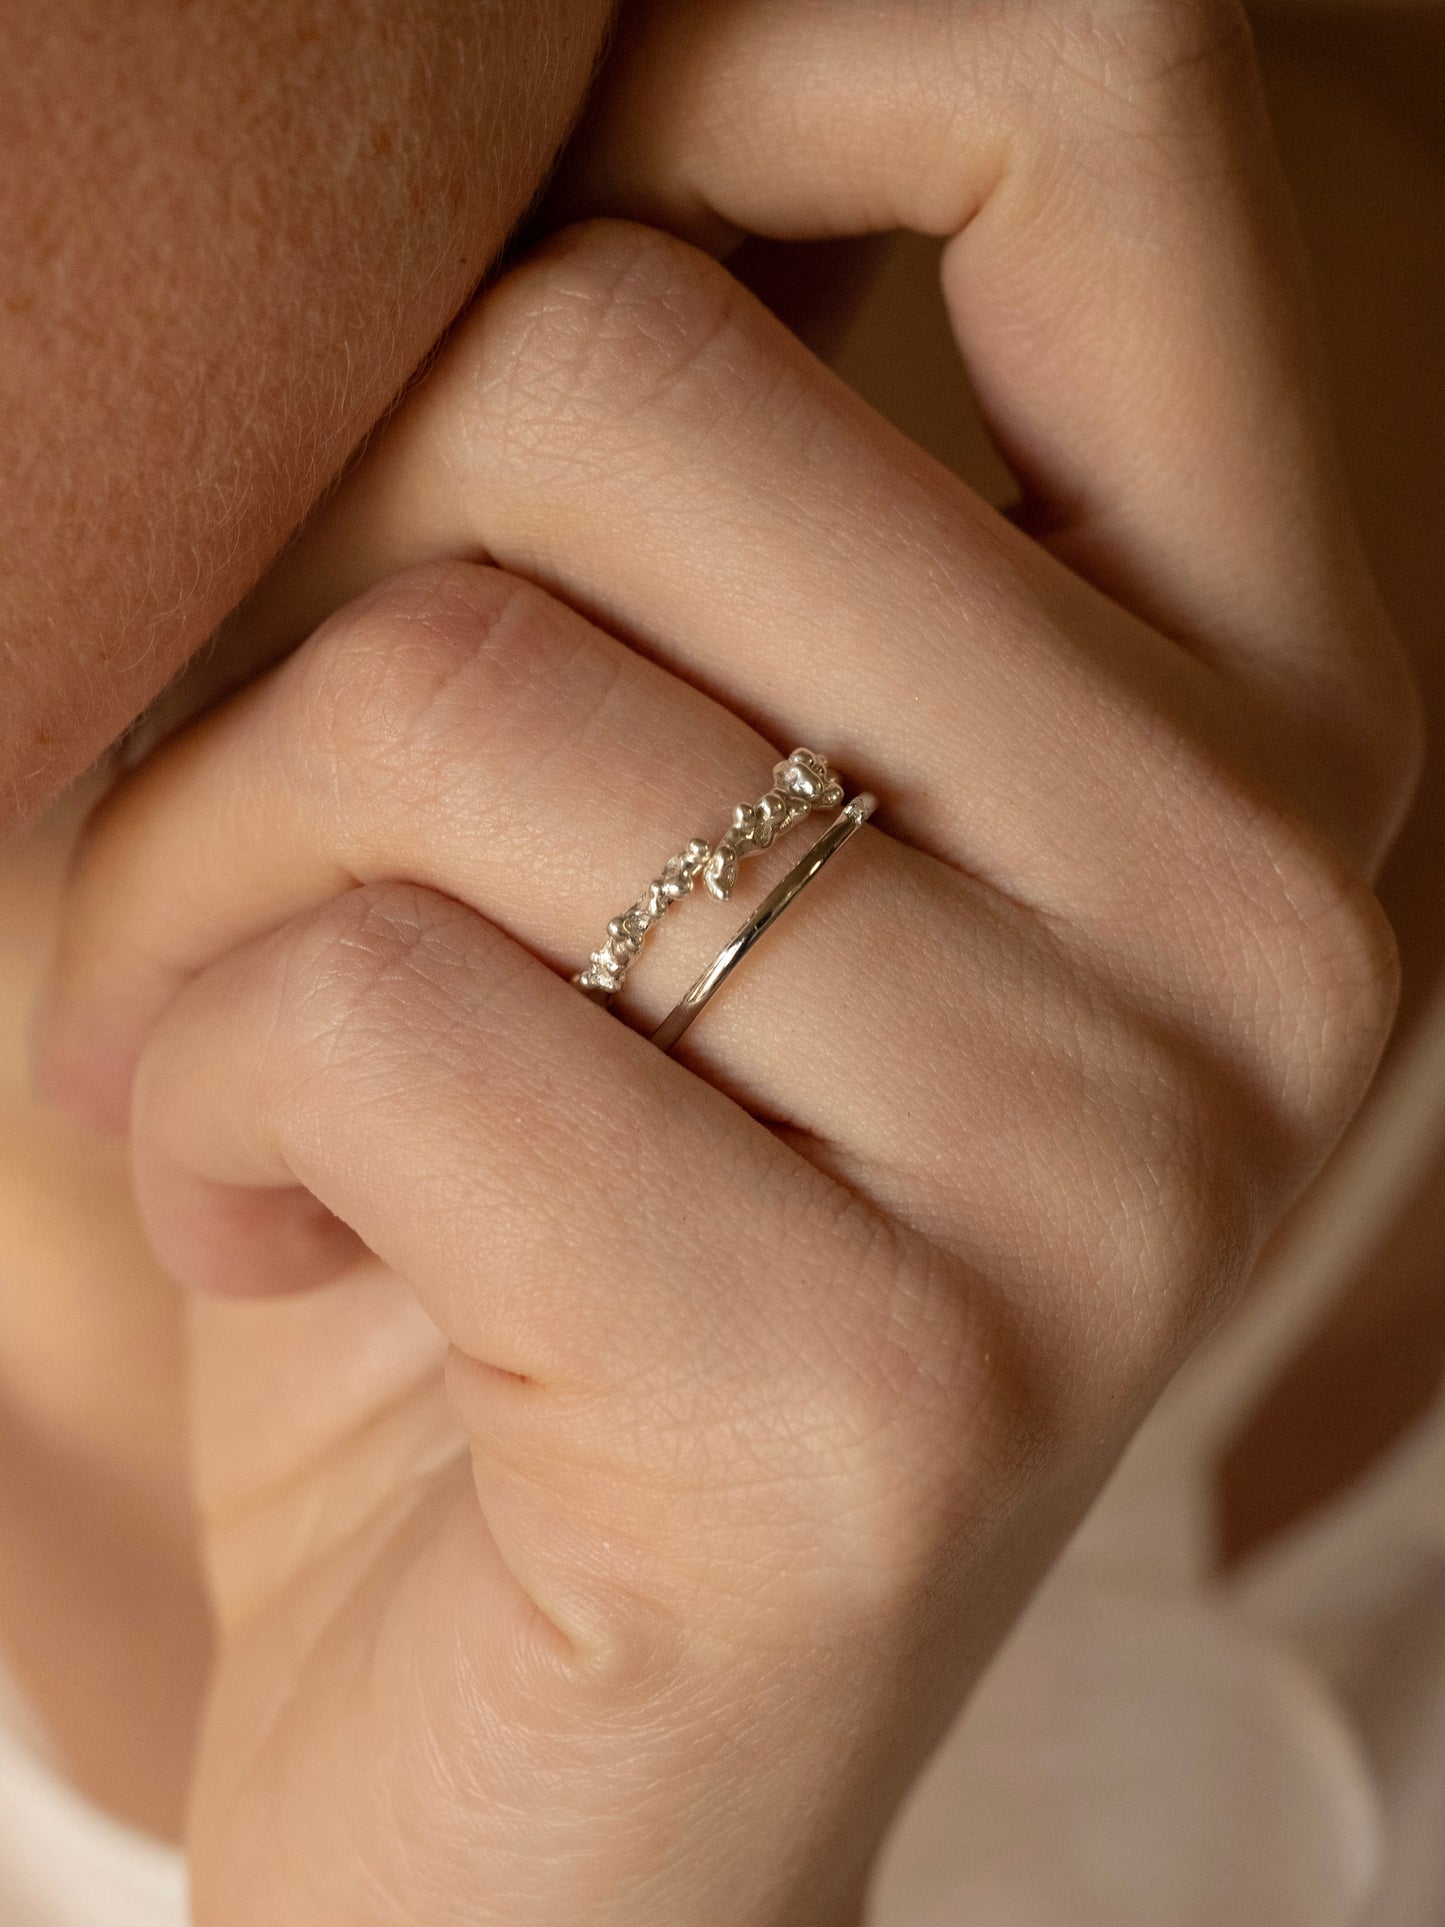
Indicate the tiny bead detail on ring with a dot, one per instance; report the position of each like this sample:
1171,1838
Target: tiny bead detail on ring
704,988
611,961
801,784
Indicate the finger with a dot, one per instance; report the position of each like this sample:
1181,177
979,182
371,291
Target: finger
1125,279
906,1028
512,1154
724,1422
463,731
1125,284
620,420
457,727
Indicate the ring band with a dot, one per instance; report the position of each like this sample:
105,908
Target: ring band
854,815
802,783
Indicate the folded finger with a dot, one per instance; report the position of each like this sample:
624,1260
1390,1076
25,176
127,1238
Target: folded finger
513,1155
462,731
1125,281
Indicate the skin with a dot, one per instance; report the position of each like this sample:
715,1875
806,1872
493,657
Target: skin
513,1534
103,1619
230,234
213,288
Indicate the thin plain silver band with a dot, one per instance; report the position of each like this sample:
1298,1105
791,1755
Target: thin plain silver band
854,815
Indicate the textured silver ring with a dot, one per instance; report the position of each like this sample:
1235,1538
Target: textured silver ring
855,814
802,783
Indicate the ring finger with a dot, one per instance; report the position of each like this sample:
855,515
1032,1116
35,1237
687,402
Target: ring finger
461,730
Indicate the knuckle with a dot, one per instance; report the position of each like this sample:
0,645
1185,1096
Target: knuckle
449,666
362,971
1326,972
1209,1130
1185,1209
1342,952
1279,939
609,324
827,1494
924,1400
1161,1163
367,682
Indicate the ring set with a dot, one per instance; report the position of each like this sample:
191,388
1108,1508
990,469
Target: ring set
802,784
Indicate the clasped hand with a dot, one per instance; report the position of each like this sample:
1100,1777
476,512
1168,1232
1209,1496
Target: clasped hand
635,1459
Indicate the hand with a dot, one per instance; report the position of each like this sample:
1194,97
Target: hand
774,1376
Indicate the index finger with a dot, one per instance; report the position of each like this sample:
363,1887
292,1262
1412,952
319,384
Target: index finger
1124,281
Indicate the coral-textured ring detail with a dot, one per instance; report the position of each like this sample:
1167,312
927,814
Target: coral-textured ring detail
855,815
801,784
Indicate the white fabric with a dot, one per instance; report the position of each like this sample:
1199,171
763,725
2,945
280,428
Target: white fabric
63,1863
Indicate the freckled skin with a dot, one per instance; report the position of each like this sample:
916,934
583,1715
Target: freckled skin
230,233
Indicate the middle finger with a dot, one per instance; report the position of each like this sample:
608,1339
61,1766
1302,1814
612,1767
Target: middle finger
622,422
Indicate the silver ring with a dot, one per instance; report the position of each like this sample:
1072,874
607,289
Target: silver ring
855,814
802,783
